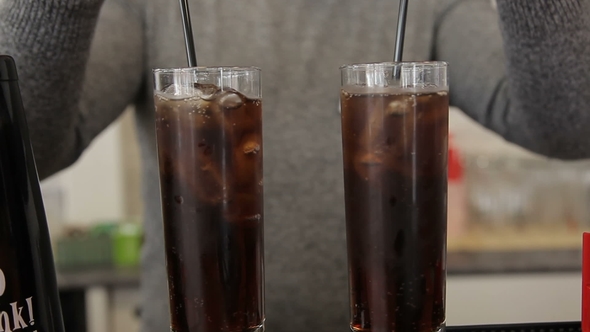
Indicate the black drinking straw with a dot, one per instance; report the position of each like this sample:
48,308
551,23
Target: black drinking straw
401,32
191,55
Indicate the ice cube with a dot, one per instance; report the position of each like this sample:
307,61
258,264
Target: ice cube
433,111
230,101
178,91
424,98
208,181
247,160
253,218
368,166
244,207
207,91
401,105
370,159
251,147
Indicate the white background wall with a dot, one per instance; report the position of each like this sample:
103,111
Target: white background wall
92,187
496,299
103,185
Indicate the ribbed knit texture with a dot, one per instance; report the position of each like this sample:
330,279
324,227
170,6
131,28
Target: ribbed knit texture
548,57
41,34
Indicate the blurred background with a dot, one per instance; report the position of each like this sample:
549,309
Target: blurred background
515,225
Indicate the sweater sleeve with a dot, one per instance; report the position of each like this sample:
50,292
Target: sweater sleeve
77,73
523,71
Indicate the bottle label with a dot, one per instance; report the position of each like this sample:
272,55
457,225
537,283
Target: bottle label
15,315
2,283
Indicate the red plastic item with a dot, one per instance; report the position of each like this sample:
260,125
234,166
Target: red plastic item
455,163
586,282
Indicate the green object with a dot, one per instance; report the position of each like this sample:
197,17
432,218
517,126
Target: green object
127,245
104,228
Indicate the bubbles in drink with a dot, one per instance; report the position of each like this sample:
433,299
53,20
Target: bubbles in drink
210,155
204,114
395,185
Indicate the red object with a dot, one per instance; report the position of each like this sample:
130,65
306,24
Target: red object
586,282
455,163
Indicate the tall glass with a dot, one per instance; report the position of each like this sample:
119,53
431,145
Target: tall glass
209,137
394,133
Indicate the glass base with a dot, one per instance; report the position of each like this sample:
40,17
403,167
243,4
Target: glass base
259,328
441,328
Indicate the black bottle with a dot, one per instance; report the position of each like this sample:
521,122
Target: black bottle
29,299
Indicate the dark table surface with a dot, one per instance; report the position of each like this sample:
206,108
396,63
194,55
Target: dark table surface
458,263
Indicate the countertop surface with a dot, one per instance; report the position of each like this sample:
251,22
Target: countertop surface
458,263
101,277
537,261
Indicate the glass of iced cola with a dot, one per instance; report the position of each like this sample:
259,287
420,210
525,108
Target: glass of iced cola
394,133
209,142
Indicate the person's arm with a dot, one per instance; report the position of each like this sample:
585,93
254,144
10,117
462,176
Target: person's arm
523,71
76,75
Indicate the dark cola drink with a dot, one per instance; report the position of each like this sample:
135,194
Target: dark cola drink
395,175
210,156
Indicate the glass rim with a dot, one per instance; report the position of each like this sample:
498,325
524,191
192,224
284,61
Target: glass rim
392,64
206,69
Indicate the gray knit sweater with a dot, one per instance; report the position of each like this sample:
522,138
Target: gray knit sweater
523,71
